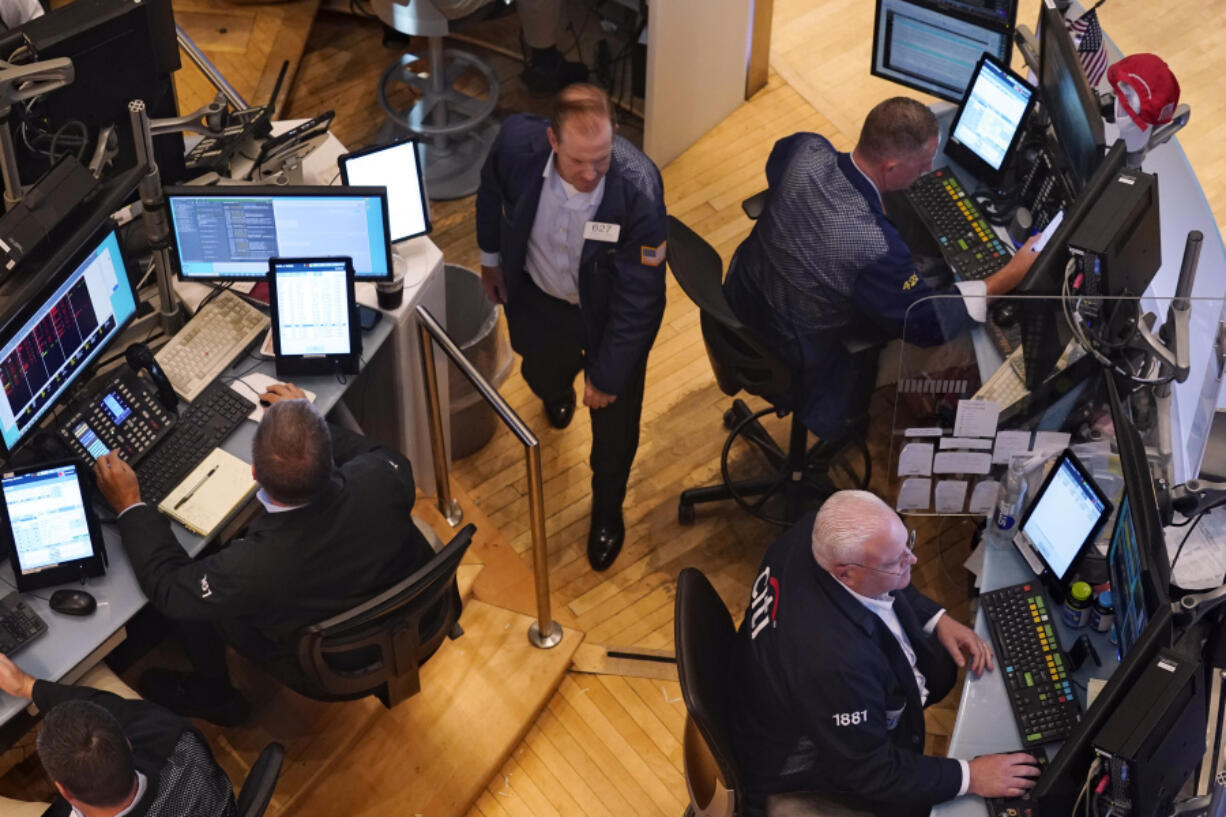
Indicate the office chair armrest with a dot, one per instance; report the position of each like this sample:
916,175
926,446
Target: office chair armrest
756,204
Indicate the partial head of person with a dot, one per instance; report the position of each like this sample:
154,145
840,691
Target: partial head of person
898,142
85,753
860,541
581,135
291,455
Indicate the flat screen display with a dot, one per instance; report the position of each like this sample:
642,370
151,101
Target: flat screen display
398,168
990,119
1066,514
313,308
46,515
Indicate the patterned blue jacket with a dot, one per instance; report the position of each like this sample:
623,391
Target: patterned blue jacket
621,284
823,258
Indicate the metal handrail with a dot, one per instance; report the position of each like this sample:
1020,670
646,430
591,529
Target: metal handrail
544,632
209,70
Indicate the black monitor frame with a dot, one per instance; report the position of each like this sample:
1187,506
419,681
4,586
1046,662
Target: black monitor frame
1057,788
1058,60
966,157
956,11
271,191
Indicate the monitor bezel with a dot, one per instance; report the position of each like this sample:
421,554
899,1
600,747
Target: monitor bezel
1068,456
1052,31
963,155
1005,30
74,570
267,191
344,160
51,283
308,365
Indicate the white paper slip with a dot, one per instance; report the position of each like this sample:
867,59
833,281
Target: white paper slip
1009,443
950,495
966,442
976,418
923,432
1051,442
914,494
962,462
915,459
983,498
253,385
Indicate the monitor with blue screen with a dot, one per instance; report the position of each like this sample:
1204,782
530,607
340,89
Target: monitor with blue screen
933,46
989,123
223,233
51,342
1127,593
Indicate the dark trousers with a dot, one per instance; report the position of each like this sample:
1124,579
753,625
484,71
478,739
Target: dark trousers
550,335
204,643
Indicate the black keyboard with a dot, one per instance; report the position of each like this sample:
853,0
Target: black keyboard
19,625
202,426
1036,671
968,243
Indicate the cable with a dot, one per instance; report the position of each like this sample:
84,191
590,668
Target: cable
1182,542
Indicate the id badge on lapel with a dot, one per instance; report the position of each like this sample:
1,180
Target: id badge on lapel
602,231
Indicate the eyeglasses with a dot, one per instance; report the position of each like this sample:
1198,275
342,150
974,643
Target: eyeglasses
901,563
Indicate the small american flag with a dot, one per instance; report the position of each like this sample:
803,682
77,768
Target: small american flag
1091,49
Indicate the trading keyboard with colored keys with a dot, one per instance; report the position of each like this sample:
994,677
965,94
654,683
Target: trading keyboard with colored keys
968,243
1036,671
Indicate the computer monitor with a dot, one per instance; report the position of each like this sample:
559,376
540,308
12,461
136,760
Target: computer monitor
47,346
989,123
1071,104
1057,788
397,167
933,46
1127,595
1066,515
224,233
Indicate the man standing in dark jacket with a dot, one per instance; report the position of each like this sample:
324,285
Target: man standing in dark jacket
837,656
111,756
337,530
571,224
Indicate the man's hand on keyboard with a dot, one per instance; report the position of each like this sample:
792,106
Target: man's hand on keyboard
13,681
282,391
117,482
956,637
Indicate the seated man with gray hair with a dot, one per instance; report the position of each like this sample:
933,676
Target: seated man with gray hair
337,530
837,656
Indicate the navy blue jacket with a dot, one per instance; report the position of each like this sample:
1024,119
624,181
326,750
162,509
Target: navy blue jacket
621,285
823,258
817,672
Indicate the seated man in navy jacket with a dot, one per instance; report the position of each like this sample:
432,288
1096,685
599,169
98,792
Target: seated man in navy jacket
571,224
837,656
824,257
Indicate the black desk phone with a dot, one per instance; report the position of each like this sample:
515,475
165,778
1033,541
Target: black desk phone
123,412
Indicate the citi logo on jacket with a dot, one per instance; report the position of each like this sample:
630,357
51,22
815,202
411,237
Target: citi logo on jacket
764,603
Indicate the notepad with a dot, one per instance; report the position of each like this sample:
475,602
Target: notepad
210,493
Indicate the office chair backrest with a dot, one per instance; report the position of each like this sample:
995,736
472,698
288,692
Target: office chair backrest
704,637
377,646
261,781
739,360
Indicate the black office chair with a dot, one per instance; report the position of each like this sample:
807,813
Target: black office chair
798,474
704,636
261,781
377,647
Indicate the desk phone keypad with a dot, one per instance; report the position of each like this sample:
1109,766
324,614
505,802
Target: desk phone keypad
123,415
1036,671
968,243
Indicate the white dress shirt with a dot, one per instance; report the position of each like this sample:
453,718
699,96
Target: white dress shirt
556,241
883,608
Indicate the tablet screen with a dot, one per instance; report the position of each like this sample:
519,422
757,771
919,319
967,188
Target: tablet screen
312,308
397,168
1067,512
46,514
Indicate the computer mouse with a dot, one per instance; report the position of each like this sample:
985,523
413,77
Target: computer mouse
73,602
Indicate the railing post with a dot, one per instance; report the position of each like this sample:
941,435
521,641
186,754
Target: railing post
544,632
209,70
447,505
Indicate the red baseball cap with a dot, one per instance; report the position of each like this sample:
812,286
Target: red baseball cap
1146,88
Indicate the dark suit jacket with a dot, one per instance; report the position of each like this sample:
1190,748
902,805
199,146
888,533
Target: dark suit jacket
183,779
621,285
292,568
828,700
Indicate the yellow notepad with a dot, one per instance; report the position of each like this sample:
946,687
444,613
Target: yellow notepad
210,493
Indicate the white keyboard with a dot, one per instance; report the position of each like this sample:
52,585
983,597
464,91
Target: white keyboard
209,343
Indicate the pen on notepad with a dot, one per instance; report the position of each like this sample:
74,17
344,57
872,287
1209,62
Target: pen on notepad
196,487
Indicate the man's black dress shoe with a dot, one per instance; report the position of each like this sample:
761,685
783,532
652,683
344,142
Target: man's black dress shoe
561,412
604,540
